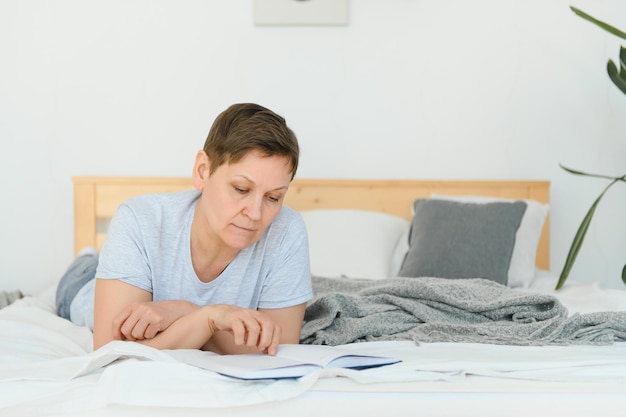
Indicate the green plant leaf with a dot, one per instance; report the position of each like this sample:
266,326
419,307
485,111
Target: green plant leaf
618,76
624,274
576,172
603,25
586,174
576,245
580,237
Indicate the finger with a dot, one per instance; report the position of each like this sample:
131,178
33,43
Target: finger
132,328
127,331
239,333
270,339
117,334
265,336
151,331
139,329
119,322
253,332
273,347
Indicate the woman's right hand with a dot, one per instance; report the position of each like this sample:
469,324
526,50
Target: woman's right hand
144,320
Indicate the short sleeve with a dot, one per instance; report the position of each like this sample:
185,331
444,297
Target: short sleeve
123,255
288,282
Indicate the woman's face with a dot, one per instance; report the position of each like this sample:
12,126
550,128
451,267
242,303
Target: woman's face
240,200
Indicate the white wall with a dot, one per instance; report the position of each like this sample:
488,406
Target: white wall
448,89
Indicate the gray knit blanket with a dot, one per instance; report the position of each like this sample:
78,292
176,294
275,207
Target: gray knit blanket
444,310
8,297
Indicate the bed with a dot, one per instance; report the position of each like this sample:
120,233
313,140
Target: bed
360,233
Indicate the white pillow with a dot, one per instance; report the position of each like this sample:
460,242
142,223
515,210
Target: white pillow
352,243
400,251
522,267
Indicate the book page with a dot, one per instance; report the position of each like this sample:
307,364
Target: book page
251,365
331,357
291,361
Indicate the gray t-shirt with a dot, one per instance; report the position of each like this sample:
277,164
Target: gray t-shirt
148,246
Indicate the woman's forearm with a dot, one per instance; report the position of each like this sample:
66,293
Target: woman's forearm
238,329
190,331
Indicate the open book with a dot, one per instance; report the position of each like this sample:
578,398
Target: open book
291,361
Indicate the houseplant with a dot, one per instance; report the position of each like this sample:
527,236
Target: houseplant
618,76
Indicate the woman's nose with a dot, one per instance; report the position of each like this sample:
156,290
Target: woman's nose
254,208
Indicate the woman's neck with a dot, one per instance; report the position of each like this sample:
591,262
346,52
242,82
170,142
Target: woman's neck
209,255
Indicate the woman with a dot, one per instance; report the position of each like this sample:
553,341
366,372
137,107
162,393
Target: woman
223,267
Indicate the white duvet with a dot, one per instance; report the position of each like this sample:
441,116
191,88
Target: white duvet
47,367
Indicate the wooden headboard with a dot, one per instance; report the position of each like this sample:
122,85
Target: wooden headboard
97,198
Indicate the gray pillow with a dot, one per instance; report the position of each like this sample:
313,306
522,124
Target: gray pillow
451,239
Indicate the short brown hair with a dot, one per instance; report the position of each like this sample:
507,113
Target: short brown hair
245,127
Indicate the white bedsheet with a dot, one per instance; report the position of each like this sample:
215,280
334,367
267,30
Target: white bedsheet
47,368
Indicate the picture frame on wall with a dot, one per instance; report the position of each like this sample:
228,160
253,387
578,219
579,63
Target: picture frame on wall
300,12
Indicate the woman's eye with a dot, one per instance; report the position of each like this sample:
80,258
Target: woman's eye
273,199
240,190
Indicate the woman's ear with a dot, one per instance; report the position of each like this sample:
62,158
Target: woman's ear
201,169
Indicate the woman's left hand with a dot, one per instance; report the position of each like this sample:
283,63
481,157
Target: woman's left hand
249,328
